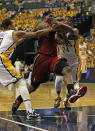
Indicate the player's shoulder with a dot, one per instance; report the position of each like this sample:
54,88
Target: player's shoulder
8,32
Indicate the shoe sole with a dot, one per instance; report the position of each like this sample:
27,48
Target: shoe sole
81,92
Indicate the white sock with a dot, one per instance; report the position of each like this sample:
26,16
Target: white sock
58,84
22,89
28,106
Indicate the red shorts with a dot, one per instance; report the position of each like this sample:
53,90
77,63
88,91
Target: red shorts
43,66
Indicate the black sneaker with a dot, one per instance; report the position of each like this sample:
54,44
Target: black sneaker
57,102
33,116
74,95
17,103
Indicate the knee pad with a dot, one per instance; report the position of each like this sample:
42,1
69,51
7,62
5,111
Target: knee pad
60,65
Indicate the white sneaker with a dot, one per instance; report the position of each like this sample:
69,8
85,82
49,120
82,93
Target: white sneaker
33,116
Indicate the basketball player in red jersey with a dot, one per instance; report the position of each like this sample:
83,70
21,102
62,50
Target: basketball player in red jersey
47,62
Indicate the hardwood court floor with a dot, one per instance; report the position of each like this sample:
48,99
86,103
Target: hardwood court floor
44,97
81,116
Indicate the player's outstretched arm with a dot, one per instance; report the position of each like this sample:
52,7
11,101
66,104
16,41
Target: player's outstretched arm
43,32
20,36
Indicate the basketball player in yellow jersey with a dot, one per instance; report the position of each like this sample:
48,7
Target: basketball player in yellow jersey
8,73
82,51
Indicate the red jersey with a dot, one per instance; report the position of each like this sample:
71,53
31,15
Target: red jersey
47,44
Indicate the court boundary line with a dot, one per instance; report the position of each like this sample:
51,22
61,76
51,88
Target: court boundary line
40,129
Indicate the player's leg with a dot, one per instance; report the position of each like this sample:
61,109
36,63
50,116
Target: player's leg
40,74
23,91
72,94
24,97
74,69
19,98
11,75
57,67
58,87
62,68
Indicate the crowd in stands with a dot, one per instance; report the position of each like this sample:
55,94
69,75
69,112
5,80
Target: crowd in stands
16,1
4,15
28,19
